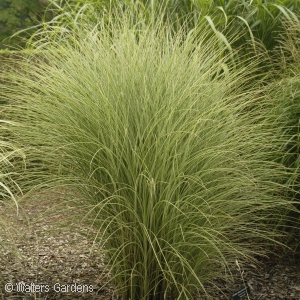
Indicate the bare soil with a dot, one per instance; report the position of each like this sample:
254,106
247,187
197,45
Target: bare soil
47,252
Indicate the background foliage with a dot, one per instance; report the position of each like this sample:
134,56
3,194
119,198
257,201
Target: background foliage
16,15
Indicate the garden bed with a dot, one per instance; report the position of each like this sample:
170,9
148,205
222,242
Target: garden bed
47,244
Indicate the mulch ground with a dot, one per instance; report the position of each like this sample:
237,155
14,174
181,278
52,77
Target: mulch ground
46,252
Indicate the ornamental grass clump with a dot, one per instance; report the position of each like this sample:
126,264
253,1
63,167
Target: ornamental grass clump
165,136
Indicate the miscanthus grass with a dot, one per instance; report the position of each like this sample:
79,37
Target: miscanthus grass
165,136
